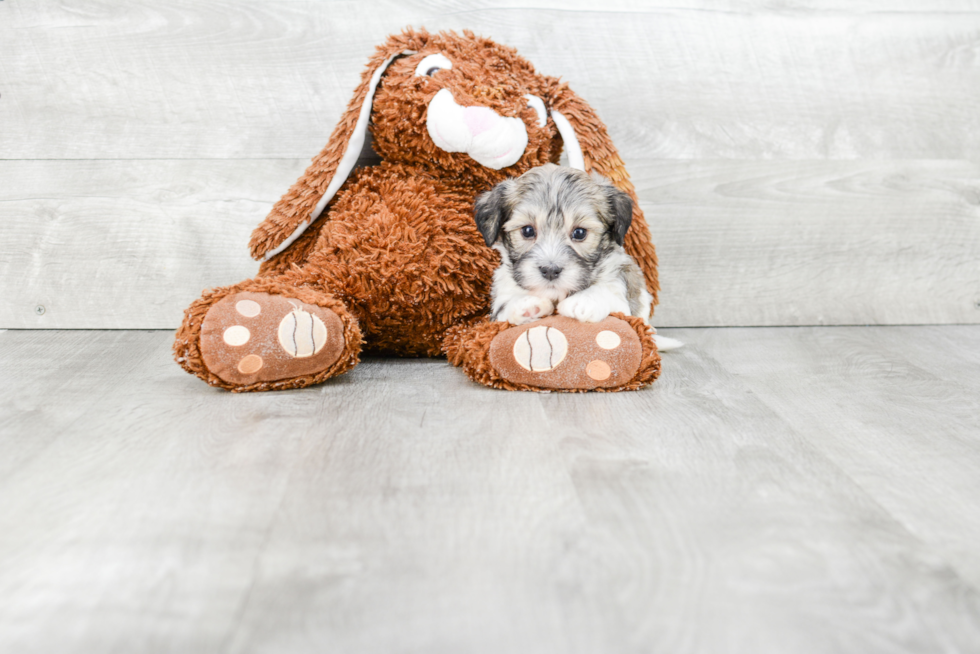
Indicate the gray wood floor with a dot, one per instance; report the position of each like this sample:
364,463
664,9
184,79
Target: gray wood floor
778,490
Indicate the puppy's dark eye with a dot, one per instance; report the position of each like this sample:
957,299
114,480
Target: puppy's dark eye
432,71
579,234
527,231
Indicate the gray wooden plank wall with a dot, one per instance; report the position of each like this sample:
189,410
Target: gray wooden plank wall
800,162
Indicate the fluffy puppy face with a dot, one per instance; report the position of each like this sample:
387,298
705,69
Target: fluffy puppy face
464,104
553,227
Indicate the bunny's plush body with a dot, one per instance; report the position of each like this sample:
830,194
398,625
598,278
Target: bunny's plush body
385,255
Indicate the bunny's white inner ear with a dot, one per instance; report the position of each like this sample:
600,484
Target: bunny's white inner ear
572,147
537,104
351,154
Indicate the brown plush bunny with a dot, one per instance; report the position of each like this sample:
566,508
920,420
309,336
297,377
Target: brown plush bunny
387,257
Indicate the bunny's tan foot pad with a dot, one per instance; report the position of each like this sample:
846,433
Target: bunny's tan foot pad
561,353
259,337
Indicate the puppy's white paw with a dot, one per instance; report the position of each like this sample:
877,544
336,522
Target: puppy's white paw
584,307
524,310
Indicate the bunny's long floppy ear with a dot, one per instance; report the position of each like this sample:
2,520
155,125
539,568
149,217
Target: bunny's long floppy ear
589,148
309,196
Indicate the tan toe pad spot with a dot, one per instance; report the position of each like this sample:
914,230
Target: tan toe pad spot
236,335
608,340
248,308
250,364
598,370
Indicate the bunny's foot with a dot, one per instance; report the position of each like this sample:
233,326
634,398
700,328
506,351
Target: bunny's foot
253,340
557,353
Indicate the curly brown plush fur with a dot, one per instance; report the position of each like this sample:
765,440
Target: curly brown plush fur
396,253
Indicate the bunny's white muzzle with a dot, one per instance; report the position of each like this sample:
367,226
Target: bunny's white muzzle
489,138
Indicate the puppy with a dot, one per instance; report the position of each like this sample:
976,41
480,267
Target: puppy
559,232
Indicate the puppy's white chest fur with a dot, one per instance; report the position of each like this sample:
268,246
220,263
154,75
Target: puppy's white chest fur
608,293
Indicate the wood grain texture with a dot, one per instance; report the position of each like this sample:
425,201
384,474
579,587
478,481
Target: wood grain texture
259,79
401,508
874,219
123,244
127,244
874,399
814,242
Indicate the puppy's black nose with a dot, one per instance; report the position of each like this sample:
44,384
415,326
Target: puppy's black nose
550,272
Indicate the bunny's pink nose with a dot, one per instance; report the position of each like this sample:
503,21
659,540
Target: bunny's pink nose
479,119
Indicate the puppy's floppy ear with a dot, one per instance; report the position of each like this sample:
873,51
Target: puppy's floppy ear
589,148
492,209
620,215
309,196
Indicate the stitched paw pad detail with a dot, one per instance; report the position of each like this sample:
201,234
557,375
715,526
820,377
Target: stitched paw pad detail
302,334
565,354
540,349
259,337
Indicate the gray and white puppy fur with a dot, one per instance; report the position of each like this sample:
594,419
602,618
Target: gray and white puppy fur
559,232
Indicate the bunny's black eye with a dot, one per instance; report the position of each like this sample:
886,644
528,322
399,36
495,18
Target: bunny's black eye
432,64
527,231
579,233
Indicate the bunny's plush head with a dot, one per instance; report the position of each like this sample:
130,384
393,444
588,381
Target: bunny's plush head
457,106
474,108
